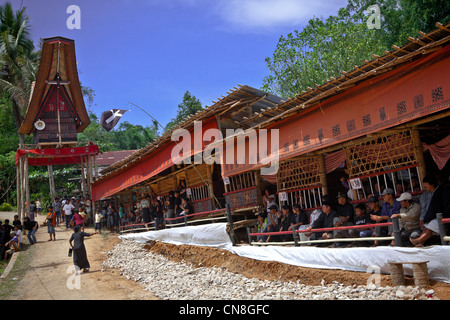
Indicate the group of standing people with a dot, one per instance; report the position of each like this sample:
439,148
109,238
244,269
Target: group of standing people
171,209
74,212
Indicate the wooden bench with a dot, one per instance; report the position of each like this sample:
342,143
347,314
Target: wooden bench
420,273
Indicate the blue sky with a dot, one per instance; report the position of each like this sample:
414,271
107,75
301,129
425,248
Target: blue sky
150,52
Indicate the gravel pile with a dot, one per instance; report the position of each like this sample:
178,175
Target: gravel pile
178,281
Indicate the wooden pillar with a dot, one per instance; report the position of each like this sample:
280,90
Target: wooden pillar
95,166
27,184
22,190
257,176
83,178
19,189
322,174
90,180
209,180
51,182
418,153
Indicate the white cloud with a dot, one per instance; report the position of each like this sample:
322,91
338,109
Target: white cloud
254,15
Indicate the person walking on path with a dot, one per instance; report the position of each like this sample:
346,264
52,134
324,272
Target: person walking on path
80,259
77,219
51,222
67,208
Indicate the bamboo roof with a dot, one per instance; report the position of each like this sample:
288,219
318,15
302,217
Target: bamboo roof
57,57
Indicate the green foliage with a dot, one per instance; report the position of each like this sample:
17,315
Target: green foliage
125,136
325,47
322,49
9,139
189,106
6,207
404,18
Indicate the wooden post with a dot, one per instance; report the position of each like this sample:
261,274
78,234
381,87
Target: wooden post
83,178
22,189
18,190
27,183
322,174
418,153
51,182
95,166
89,174
209,180
257,176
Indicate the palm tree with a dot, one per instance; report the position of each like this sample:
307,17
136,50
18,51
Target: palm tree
19,61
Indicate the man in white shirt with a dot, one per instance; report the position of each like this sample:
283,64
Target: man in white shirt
67,208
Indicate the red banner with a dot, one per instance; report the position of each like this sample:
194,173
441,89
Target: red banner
56,156
151,165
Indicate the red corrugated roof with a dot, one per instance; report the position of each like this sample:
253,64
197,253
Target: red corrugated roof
110,157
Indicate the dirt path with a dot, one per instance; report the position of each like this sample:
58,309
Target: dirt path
48,273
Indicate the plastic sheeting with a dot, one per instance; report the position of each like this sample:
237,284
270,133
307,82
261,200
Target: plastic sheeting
210,235
353,259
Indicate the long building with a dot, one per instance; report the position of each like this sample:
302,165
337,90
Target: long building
384,124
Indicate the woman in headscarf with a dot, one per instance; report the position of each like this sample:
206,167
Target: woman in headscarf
79,250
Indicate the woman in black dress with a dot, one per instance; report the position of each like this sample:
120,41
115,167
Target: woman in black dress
79,251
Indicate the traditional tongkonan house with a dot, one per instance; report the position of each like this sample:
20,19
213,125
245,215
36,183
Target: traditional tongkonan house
55,114
384,124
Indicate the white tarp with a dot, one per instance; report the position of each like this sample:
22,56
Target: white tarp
353,259
209,235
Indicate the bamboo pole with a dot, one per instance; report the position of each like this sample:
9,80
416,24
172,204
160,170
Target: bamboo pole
95,166
418,153
83,179
51,182
27,184
22,189
322,174
90,175
19,189
210,185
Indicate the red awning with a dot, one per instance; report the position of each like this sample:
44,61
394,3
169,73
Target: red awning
149,166
56,156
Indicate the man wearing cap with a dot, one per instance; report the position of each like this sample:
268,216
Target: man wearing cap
272,219
409,215
390,206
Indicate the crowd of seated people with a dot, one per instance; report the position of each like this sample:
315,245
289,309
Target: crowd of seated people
417,218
